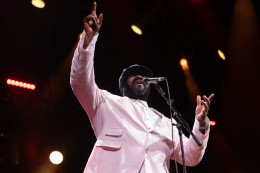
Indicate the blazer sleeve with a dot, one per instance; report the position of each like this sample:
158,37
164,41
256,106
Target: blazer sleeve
193,153
82,77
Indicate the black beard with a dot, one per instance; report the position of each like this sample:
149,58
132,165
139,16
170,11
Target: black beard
139,90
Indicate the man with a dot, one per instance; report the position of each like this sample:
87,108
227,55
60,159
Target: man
131,137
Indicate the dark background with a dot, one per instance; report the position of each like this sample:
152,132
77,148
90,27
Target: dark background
37,46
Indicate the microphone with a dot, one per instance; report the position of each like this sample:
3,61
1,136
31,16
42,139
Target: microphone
155,80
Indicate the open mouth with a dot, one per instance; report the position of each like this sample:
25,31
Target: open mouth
138,82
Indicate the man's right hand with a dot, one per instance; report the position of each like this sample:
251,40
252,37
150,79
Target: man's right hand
92,25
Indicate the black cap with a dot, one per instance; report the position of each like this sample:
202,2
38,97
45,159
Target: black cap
133,69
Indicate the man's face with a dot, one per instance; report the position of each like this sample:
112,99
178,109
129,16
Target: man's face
135,83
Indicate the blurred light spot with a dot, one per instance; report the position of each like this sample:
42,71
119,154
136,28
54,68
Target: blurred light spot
184,64
38,3
80,35
136,30
32,87
9,81
221,54
212,123
56,157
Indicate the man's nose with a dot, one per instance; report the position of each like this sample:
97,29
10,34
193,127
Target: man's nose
139,76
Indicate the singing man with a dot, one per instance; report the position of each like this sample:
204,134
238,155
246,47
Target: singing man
131,137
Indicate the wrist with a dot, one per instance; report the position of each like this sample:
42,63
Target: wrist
202,124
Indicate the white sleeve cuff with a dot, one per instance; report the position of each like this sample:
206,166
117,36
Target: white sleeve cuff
91,44
197,124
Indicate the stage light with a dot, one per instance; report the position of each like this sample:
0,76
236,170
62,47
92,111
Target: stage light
21,84
56,157
136,29
212,123
221,54
38,3
80,35
184,64
32,87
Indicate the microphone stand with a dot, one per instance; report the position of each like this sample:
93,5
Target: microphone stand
180,123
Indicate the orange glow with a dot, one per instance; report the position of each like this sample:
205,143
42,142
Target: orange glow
80,35
184,64
21,84
9,81
212,123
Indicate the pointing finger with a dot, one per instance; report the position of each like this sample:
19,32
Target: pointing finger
198,100
94,7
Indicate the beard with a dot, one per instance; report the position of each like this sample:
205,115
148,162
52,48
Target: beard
138,89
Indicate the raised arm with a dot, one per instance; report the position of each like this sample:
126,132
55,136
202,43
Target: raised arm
82,77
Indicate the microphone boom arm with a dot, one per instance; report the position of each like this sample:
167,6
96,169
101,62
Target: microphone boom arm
177,116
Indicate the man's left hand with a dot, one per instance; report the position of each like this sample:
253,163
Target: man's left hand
202,108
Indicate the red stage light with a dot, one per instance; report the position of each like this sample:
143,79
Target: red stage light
32,87
9,81
212,123
21,84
